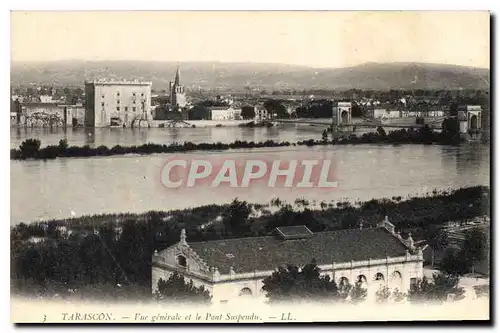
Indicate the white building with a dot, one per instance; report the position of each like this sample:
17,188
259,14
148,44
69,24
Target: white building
235,267
224,113
384,114
117,103
46,99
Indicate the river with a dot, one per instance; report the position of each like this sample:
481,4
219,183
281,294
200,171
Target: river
68,187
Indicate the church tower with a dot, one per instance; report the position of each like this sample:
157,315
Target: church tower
177,96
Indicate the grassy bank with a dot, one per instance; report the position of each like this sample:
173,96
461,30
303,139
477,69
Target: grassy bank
95,254
31,148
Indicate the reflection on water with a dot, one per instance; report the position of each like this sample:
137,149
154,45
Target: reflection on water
52,189
127,137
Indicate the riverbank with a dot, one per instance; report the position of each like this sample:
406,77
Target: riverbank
31,148
90,252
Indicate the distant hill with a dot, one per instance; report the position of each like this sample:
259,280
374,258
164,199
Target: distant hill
376,76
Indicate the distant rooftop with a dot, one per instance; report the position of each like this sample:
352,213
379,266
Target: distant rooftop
294,232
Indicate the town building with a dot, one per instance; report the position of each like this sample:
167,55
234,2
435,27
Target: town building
261,113
117,103
236,267
224,113
177,94
47,99
36,114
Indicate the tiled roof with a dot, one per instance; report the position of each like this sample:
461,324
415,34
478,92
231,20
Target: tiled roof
268,253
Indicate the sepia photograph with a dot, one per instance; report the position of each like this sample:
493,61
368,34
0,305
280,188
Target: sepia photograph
250,167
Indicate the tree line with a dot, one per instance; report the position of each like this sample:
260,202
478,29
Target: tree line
96,254
31,148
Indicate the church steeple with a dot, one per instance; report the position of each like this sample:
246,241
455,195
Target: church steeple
177,80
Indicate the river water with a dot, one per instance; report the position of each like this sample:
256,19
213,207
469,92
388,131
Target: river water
68,187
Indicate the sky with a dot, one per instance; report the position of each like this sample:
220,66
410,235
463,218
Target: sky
318,39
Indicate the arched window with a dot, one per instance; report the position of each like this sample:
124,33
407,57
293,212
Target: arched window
361,279
396,278
379,277
246,292
343,281
181,261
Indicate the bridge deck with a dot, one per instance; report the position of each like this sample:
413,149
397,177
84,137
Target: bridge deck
364,123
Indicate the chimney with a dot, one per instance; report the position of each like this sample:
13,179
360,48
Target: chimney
410,242
183,237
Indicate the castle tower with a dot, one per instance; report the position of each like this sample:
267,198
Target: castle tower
469,118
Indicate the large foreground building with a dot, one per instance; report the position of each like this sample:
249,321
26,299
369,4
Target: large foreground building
117,103
236,267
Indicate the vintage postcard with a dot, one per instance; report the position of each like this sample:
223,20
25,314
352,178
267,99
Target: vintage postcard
250,166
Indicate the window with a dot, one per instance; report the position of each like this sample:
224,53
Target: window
102,96
133,101
181,261
343,281
102,104
379,277
117,108
125,108
361,279
246,292
413,282
142,95
133,108
118,93
133,94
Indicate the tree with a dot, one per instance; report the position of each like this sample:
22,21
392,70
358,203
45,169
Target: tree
383,294
176,289
248,112
292,283
453,262
436,291
381,131
236,216
398,296
356,110
199,112
437,240
63,144
274,106
446,284
358,293
426,134
473,247
422,291
30,147
324,136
